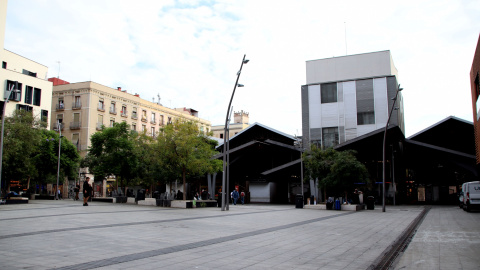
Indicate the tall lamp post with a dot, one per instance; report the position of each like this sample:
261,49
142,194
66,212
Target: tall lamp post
225,134
384,146
58,164
6,96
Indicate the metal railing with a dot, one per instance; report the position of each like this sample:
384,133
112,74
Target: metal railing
76,105
75,125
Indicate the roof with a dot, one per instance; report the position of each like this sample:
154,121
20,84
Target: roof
254,125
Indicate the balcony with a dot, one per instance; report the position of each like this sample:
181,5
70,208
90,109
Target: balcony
153,122
55,126
123,113
76,105
99,126
75,125
144,119
60,107
134,116
101,107
113,111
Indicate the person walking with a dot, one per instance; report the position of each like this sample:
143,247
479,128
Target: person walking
87,191
242,197
235,196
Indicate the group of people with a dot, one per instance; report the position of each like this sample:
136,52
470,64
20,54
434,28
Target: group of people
234,195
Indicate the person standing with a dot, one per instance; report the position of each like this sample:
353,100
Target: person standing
87,191
235,196
242,197
76,190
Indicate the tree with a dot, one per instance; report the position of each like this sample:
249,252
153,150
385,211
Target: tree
21,141
112,153
185,150
334,169
46,158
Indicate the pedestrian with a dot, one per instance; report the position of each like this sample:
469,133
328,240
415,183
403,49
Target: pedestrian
59,194
235,196
76,190
87,191
242,197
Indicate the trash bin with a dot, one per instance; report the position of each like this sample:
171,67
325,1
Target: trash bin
140,195
299,201
338,205
370,203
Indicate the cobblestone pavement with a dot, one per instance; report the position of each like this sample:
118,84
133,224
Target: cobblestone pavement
66,235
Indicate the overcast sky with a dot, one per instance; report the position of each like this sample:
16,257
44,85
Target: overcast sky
189,52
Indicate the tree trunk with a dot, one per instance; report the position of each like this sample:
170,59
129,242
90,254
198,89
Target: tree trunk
28,183
184,183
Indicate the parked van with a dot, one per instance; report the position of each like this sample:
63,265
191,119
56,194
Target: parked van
471,195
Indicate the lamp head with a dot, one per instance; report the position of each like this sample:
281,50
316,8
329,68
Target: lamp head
246,61
240,85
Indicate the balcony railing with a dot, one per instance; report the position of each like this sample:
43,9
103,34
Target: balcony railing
134,116
153,122
76,105
60,107
55,126
144,119
99,126
75,125
123,113
101,107
113,111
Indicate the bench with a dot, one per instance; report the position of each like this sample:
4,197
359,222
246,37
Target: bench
148,201
16,200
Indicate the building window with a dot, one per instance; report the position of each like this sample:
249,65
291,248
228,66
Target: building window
101,106
29,73
153,131
134,127
28,94
144,128
112,121
160,120
124,110
76,140
328,92
152,120
99,122
59,122
4,65
16,94
60,105
365,118
37,95
44,114
330,137
144,115
77,103
113,110
75,124
24,107
221,135
134,113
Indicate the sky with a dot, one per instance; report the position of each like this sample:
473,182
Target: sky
189,52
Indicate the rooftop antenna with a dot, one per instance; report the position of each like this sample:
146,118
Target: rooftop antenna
58,77
345,24
158,95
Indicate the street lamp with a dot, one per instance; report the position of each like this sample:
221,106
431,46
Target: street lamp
8,92
225,135
384,145
58,164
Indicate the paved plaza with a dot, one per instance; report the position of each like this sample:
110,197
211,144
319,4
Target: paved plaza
66,235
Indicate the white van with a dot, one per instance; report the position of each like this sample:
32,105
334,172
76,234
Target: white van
471,195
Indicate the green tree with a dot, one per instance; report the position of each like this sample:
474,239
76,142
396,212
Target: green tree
112,153
22,138
186,150
46,158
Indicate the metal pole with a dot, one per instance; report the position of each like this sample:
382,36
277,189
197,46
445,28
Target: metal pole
58,165
225,134
5,101
384,145
393,176
227,172
301,171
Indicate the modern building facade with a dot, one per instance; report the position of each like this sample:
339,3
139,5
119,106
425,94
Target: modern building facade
81,109
349,96
475,92
240,122
32,92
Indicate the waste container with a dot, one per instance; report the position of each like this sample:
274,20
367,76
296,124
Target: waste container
312,200
299,201
338,205
140,195
370,203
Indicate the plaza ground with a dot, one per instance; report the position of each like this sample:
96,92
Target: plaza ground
66,235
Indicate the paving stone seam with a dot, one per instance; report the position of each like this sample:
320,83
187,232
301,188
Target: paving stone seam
132,224
73,214
179,248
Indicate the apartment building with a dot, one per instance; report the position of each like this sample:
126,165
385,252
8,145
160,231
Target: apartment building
83,108
349,96
27,78
240,122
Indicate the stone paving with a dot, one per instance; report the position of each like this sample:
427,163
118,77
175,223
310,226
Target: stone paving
66,235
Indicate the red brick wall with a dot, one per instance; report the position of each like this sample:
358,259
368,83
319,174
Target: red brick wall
475,93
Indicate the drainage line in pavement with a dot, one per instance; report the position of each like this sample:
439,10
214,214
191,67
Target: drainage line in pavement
74,214
168,250
389,255
127,224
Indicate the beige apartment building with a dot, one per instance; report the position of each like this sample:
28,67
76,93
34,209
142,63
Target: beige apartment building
240,122
81,109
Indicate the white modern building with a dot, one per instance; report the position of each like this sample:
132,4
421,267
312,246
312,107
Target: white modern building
32,91
349,96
